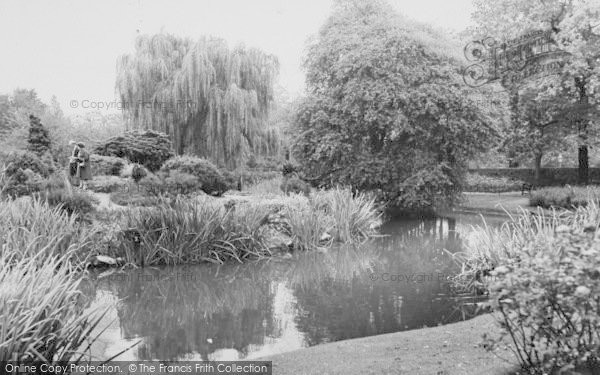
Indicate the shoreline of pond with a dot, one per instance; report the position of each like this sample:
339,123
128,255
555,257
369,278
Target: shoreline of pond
449,349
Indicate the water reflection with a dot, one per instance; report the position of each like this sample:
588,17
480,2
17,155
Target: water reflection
392,283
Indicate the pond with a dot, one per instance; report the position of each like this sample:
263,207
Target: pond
393,283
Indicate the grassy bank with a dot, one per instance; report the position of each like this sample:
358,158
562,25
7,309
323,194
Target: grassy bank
450,349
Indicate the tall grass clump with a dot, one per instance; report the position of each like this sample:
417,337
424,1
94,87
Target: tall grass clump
42,316
309,227
487,247
31,228
543,280
355,218
190,231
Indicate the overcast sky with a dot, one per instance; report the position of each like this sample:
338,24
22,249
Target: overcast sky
69,48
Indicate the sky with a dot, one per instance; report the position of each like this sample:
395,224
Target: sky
69,48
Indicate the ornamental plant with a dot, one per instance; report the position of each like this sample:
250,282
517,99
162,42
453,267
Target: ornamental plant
547,299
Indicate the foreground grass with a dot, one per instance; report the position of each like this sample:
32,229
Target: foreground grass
31,228
42,315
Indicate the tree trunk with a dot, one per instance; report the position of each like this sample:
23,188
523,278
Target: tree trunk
538,168
583,165
583,174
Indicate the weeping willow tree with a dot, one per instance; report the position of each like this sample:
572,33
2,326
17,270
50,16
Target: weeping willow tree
213,101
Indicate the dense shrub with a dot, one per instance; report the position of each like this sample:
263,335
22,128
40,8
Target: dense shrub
38,140
208,174
24,172
22,182
27,160
563,197
148,148
177,182
153,184
542,273
231,179
172,183
295,185
107,165
549,302
71,201
490,184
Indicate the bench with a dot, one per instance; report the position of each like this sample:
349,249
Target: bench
527,187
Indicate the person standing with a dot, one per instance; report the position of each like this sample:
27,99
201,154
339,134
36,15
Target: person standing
84,170
74,164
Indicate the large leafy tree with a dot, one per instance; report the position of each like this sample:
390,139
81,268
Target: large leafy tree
575,28
538,126
211,99
387,108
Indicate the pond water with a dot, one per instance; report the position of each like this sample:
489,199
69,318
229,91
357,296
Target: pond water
393,283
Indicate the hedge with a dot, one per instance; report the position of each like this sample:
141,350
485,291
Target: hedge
550,176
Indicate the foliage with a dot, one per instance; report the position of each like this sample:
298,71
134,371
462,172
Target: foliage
383,89
178,182
192,231
489,247
564,197
265,187
107,165
138,172
548,298
231,179
573,91
31,228
39,140
148,148
131,198
43,318
26,160
288,169
309,227
295,185
21,182
211,179
212,100
71,201
356,218
107,184
250,177
475,182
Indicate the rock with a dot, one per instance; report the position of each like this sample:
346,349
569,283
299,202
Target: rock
103,260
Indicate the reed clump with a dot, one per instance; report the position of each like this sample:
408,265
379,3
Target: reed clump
42,315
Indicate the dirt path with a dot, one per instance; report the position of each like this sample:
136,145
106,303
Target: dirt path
444,350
